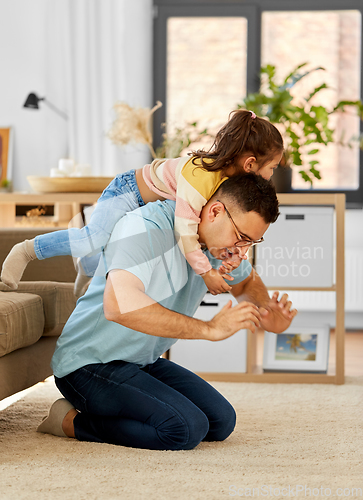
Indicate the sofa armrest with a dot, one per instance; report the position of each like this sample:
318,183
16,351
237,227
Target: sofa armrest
54,269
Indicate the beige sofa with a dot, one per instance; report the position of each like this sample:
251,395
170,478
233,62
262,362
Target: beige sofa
32,318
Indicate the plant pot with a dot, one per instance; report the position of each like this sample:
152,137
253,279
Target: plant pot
282,178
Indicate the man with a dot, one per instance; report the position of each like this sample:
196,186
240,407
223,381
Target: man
107,362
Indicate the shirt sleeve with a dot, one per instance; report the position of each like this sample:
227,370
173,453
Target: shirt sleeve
134,246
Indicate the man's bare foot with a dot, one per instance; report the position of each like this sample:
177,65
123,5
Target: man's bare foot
67,424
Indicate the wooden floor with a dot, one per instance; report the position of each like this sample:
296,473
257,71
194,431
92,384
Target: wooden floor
353,352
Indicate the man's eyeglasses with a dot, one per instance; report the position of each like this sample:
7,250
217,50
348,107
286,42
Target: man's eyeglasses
243,240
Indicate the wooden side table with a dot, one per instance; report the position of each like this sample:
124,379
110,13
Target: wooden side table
66,205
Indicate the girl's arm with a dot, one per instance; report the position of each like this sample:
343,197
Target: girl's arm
194,187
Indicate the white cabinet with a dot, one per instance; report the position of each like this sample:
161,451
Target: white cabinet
203,356
298,248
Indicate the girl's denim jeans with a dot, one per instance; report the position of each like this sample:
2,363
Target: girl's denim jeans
159,407
121,196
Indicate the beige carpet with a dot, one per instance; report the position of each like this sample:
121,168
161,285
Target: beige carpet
286,436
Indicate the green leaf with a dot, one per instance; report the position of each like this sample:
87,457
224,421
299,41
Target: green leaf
297,77
293,135
321,115
305,176
317,90
315,173
296,158
294,71
313,152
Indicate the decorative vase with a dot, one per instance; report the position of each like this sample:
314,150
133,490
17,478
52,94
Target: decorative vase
282,179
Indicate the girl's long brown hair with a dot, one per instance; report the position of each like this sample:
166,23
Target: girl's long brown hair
244,133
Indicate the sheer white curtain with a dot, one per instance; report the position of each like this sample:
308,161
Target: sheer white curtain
97,52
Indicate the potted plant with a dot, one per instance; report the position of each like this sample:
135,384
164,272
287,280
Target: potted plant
304,126
5,186
174,143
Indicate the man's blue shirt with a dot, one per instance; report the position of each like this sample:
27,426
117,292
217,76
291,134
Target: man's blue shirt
143,243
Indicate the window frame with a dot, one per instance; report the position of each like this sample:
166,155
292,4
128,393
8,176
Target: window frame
252,10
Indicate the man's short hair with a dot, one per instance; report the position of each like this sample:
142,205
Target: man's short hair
250,193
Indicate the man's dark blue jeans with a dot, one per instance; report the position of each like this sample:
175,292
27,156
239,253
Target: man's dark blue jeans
159,407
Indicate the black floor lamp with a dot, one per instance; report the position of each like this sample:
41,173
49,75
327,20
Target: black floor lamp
32,102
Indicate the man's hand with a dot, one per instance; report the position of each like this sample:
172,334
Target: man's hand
231,319
277,315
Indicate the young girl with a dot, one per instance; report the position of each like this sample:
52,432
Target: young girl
245,143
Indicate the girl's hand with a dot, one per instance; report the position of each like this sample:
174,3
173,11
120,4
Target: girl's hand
215,281
232,260
228,266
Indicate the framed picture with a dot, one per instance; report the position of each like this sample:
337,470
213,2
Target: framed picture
6,153
298,349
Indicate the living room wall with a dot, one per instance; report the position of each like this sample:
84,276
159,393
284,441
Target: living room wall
34,59
22,71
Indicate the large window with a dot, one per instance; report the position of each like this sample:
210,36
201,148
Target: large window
208,55
331,40
203,84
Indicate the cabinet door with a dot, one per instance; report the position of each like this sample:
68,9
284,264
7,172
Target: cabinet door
202,356
298,248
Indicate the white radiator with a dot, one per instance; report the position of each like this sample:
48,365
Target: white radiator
325,301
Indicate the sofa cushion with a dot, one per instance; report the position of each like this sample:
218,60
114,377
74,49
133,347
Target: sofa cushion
58,302
21,320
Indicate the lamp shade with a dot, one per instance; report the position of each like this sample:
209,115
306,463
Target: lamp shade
32,101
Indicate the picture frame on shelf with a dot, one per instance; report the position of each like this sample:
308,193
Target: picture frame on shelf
6,156
297,350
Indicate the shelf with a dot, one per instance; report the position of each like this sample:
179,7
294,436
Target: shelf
66,205
305,288
277,378
20,198
258,376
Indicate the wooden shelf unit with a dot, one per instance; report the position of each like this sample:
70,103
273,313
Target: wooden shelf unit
66,205
254,373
